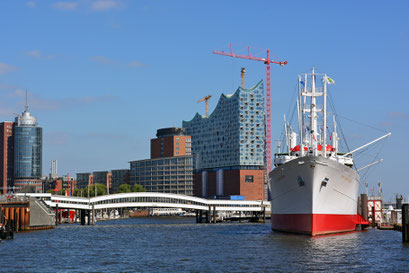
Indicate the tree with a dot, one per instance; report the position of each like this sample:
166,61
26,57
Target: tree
101,190
61,192
138,188
123,188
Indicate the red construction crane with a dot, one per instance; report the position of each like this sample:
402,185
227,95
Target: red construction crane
267,61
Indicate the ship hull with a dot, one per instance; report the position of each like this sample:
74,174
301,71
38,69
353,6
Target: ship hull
313,195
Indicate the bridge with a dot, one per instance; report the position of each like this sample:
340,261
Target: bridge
153,200
148,200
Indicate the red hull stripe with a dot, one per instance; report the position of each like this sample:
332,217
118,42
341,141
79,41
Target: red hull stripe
314,224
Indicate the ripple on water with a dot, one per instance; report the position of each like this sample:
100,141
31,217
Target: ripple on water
178,244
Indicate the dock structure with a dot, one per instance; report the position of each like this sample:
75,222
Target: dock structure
207,210
23,213
405,223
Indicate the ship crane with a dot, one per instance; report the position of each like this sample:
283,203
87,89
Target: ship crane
267,61
206,99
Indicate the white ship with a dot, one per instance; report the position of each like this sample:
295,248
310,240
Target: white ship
314,190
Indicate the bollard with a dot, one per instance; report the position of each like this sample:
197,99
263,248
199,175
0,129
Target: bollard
405,223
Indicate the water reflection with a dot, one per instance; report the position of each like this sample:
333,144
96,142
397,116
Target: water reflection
179,244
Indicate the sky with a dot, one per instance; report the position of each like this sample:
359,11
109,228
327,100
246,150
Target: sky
104,75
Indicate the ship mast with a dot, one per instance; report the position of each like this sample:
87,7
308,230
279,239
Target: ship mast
313,116
324,84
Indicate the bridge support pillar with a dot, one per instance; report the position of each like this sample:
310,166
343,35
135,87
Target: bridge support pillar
93,214
56,214
82,216
264,214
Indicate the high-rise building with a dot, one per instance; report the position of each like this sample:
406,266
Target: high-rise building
6,156
170,142
28,140
54,170
228,146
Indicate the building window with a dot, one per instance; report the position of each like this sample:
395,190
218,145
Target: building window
249,178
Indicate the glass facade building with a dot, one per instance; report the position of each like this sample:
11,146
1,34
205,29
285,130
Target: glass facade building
228,146
167,174
234,134
28,146
27,152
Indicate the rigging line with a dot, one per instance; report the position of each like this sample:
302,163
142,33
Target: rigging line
337,119
363,124
380,150
292,102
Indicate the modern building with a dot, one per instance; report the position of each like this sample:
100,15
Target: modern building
166,174
228,146
84,179
170,169
170,142
118,178
54,169
28,141
6,156
104,178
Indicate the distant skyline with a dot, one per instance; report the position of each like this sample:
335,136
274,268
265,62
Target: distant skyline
104,75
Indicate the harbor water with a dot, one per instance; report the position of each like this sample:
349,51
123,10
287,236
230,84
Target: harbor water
177,244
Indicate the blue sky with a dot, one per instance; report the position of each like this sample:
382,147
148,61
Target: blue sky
103,75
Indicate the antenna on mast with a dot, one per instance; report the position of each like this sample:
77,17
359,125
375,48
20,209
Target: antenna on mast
26,106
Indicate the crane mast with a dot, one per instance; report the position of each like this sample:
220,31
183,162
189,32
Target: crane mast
267,61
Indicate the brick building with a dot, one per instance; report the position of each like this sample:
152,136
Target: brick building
170,168
6,156
170,142
228,146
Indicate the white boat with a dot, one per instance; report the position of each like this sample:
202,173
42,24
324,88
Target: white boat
313,190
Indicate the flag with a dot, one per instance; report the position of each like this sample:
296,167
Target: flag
330,81
302,83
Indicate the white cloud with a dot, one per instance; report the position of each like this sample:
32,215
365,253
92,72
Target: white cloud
136,64
102,59
31,4
398,115
104,5
5,68
38,55
69,6
33,53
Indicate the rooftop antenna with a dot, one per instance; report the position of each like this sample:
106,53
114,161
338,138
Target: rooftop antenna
26,106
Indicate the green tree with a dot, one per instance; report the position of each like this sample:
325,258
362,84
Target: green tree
138,188
123,188
101,190
61,192
50,191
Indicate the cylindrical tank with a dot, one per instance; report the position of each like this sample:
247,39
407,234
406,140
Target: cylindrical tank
204,184
219,182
